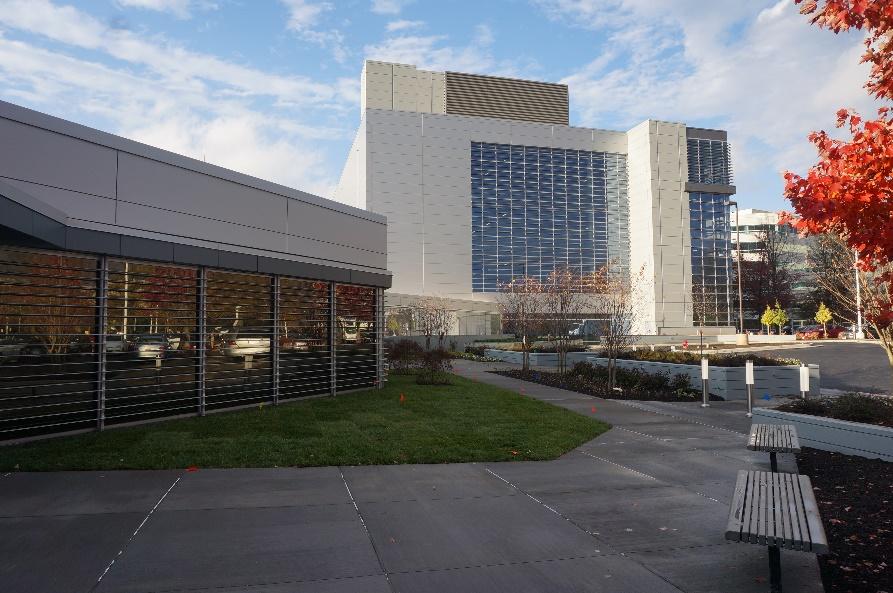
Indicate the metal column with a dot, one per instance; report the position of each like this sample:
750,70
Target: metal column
274,336
202,315
333,362
102,308
379,338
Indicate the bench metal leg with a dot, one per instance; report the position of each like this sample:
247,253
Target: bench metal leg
773,461
774,569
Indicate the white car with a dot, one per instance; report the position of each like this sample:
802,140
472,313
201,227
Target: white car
115,344
246,342
149,346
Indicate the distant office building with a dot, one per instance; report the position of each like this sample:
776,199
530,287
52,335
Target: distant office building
483,180
754,224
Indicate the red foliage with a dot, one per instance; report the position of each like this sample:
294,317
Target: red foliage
850,190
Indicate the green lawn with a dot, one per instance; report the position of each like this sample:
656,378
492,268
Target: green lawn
467,421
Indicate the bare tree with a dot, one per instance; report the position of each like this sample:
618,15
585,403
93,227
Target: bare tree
769,277
833,265
704,305
616,297
435,319
521,303
567,297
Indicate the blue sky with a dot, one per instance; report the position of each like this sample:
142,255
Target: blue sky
271,88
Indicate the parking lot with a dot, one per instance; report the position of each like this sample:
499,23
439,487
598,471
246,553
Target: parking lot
845,365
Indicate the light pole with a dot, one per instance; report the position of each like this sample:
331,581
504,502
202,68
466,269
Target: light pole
742,336
859,334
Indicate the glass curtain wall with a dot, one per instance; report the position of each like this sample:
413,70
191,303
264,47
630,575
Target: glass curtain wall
87,342
709,161
150,341
536,209
711,245
48,332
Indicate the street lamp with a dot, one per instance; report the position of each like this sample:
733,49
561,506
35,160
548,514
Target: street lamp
742,336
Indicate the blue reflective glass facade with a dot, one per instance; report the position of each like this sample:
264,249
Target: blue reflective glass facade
534,209
710,258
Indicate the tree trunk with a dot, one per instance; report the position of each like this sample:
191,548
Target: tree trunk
428,342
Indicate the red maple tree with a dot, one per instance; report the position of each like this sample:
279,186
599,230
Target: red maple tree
849,191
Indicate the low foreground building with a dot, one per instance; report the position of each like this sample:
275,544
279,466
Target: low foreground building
136,283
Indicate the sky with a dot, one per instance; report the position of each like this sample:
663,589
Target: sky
272,87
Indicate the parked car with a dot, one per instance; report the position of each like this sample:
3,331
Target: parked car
115,344
13,347
293,343
149,346
242,342
180,342
587,328
817,332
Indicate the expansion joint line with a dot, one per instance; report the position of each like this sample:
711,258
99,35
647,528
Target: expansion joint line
133,535
591,534
356,508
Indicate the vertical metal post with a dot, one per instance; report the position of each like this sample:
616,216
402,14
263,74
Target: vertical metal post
274,346
102,308
804,380
333,369
748,379
379,338
202,316
774,569
705,379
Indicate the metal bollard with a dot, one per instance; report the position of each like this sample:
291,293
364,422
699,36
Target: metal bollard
748,379
804,381
705,379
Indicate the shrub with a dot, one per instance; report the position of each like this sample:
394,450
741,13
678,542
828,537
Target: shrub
719,360
404,357
476,350
853,407
435,368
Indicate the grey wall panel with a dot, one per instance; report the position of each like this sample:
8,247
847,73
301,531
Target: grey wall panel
141,248
49,230
238,261
40,156
92,241
74,204
137,216
197,256
327,226
160,185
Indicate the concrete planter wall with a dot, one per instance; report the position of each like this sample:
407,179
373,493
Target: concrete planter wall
828,434
726,382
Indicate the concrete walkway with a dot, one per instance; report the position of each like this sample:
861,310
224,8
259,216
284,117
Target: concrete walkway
641,509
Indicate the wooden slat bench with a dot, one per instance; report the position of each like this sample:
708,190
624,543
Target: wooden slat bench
776,510
773,438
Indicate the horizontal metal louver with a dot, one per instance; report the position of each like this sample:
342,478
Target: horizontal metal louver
506,98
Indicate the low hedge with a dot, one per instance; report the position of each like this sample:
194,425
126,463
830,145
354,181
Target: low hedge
718,360
853,407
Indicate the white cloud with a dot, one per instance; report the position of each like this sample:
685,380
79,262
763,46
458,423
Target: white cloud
303,18
155,91
433,53
766,75
402,25
389,6
180,8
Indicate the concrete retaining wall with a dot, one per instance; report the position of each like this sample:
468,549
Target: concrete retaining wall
726,382
828,434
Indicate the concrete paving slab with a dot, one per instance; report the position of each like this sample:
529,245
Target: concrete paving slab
248,488
73,493
647,519
601,574
742,568
365,584
64,553
242,547
573,473
414,482
440,534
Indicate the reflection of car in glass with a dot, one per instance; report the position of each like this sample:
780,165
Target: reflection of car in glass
179,342
817,332
115,344
149,346
587,327
293,343
81,344
242,342
353,330
16,346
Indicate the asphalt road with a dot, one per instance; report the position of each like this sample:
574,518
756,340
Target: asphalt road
845,365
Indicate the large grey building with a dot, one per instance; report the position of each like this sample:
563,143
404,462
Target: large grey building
482,179
136,283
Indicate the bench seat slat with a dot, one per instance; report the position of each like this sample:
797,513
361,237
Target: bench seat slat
773,438
776,509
